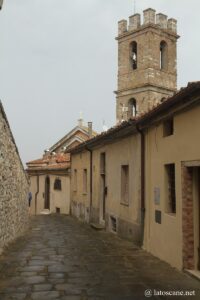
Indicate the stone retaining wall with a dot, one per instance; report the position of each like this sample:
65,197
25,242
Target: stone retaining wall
13,187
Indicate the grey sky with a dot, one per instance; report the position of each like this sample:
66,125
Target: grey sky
59,57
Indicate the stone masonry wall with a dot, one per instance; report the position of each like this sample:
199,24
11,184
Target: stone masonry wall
13,187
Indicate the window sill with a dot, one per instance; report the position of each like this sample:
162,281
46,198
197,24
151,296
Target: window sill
124,204
170,214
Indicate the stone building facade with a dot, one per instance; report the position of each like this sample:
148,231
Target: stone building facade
13,186
147,58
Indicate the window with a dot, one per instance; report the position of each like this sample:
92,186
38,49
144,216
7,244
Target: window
170,188
168,127
102,163
85,181
58,210
125,184
163,55
57,184
75,180
132,107
133,55
113,223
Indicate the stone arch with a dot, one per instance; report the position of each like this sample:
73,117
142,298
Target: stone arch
132,107
163,55
133,55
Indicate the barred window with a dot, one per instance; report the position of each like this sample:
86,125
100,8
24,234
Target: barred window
125,184
57,184
170,188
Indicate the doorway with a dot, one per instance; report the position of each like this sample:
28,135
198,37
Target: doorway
198,221
103,189
47,193
191,215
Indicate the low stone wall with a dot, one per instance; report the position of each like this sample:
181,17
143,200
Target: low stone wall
13,187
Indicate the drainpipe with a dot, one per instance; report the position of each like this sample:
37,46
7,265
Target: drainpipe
142,181
91,179
36,194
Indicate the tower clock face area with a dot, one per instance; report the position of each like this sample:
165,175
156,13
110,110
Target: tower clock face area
147,54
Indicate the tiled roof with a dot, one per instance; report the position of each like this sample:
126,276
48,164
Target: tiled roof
49,162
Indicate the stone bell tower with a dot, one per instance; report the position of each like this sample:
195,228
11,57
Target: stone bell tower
147,59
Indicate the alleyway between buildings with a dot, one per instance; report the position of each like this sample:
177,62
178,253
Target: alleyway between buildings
60,258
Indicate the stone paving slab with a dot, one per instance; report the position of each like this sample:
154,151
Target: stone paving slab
61,258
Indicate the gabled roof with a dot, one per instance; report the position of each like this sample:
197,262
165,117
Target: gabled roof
184,98
71,137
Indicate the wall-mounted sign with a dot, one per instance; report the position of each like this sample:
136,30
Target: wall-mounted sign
157,195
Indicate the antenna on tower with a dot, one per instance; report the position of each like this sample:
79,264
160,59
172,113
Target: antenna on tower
134,7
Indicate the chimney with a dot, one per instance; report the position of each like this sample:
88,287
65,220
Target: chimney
90,129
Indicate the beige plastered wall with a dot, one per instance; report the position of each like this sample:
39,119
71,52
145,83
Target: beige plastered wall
124,152
165,240
58,199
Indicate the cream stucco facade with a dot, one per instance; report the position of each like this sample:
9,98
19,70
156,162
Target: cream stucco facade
104,204
165,240
59,200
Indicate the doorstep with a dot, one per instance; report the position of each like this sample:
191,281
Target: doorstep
193,273
45,212
97,226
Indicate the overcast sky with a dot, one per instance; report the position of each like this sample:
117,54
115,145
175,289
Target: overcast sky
59,57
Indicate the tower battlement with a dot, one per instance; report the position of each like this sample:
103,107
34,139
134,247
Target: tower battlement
149,18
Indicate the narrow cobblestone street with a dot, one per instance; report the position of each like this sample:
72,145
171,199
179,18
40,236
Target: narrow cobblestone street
60,258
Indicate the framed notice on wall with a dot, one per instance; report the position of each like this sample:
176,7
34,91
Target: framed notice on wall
157,195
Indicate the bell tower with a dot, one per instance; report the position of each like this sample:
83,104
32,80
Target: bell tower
147,63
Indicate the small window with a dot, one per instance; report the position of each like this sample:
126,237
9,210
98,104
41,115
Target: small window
85,181
75,180
170,188
132,108
163,56
58,210
113,223
57,184
125,184
168,127
133,55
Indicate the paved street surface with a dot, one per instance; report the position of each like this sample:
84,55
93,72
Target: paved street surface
60,258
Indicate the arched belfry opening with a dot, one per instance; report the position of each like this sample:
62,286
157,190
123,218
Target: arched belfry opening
132,107
163,55
133,55
47,193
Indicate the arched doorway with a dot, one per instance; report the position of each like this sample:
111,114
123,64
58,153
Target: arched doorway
47,193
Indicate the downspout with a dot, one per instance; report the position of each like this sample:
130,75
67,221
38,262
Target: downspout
142,181
36,194
91,181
